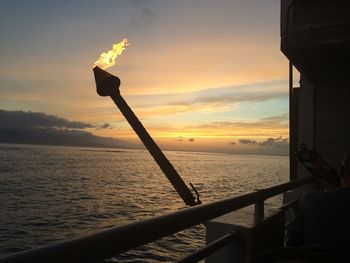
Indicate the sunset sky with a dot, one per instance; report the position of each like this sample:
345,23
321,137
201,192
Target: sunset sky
200,74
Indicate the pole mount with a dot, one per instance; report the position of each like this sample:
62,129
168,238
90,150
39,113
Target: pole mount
106,83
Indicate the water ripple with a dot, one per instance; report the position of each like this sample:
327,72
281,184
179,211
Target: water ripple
49,194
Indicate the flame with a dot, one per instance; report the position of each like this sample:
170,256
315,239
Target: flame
107,59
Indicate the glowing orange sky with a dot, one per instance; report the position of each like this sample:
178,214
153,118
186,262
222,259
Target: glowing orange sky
207,70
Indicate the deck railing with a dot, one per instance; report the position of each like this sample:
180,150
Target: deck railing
108,243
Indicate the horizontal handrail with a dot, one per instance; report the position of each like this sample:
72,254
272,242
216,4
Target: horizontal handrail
108,243
212,247
289,205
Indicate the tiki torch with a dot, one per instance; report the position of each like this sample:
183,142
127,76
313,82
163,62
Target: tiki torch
108,85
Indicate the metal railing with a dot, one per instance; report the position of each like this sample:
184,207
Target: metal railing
209,249
108,243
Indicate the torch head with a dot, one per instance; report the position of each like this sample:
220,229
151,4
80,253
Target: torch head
106,83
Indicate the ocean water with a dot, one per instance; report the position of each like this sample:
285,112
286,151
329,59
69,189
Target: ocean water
52,193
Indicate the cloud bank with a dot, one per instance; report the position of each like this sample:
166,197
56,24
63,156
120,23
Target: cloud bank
269,142
21,119
213,99
40,128
247,141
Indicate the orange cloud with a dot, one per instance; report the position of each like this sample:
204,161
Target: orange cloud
274,126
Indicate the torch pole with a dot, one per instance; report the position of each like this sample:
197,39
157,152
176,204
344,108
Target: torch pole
108,85
163,162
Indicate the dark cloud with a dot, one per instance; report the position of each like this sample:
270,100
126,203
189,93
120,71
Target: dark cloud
103,126
141,16
40,128
275,142
269,146
232,143
147,15
180,139
247,141
269,142
24,120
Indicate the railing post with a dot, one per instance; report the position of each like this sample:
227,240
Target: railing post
258,235
259,210
259,207
229,239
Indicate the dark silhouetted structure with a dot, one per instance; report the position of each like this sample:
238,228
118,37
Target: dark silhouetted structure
322,217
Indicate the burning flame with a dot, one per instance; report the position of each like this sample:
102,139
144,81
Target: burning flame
107,59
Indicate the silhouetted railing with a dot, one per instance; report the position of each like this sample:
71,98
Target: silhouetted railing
108,243
212,247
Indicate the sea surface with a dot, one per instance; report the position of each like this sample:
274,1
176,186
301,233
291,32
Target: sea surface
52,193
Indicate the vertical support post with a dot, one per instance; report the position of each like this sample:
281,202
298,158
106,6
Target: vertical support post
257,235
259,210
292,173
